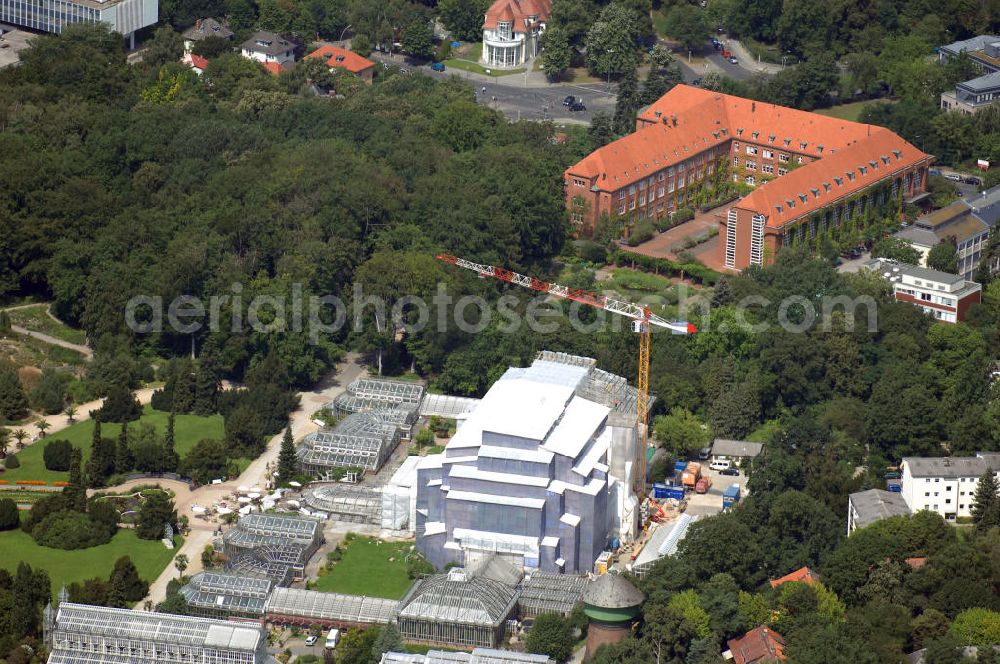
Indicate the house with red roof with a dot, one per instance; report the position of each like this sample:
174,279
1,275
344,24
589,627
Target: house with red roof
195,62
512,30
339,58
802,575
810,175
758,645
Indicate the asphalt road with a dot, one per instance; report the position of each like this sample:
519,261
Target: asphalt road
518,101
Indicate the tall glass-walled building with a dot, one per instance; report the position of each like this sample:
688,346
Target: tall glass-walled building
124,16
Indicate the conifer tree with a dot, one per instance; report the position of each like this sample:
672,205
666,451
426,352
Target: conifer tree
287,461
75,492
95,474
123,456
985,502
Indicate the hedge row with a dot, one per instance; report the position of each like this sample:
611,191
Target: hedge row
695,271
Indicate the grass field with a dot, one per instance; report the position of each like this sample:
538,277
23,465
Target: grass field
37,320
22,350
188,430
370,567
850,111
65,567
476,68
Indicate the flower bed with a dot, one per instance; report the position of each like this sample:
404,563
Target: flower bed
32,482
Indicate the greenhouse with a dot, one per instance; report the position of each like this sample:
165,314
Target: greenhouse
457,608
477,656
541,592
662,542
443,405
226,594
344,502
82,634
273,545
398,401
362,440
293,606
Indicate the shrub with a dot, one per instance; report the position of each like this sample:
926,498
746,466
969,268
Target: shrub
69,530
697,272
684,214
592,252
56,454
11,462
642,233
9,516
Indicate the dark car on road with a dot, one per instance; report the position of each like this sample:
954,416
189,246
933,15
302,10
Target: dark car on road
732,470
577,106
438,66
569,101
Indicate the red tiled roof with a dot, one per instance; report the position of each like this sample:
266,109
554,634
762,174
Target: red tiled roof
518,12
916,563
198,62
342,59
803,574
273,67
758,645
687,120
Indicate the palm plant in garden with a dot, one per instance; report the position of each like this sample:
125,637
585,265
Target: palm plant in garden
42,425
19,436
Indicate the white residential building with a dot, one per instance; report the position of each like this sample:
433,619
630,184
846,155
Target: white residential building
268,47
512,30
945,485
945,296
866,507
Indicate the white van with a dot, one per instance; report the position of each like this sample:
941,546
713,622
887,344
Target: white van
720,465
332,637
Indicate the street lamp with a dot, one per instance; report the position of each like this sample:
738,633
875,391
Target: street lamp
342,33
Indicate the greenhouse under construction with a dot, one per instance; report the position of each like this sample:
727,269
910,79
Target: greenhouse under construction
83,634
273,545
227,594
388,507
539,473
363,441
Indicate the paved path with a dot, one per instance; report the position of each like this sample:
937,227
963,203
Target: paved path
83,350
707,252
258,473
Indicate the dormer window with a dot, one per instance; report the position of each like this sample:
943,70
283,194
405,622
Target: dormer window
819,149
803,144
803,198
503,29
788,142
826,186
850,175
863,170
885,159
778,208
897,154
770,139
873,164
340,58
739,131
839,181
815,192
755,134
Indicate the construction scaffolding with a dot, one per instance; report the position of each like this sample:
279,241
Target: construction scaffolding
293,606
457,608
662,542
345,502
81,634
226,594
361,440
477,656
541,592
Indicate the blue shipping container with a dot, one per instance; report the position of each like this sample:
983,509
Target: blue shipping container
680,466
675,492
660,490
896,488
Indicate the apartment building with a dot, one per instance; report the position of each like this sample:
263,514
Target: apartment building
866,507
983,51
810,173
967,223
124,16
946,485
973,95
947,297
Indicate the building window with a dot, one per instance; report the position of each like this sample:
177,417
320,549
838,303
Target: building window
736,161
736,146
783,158
631,190
750,180
642,199
621,209
659,192
621,195
798,160
631,204
751,166
768,154
767,168
782,171
751,149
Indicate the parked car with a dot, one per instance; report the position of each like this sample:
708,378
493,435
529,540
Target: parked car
438,66
933,171
577,106
311,639
704,453
569,101
954,177
973,180
720,465
732,470
734,60
696,82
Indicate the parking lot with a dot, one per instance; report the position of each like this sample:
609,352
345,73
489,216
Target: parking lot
707,504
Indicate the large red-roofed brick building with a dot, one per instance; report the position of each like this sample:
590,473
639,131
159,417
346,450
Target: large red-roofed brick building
812,173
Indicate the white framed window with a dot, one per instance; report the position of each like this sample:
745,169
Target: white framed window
631,190
621,195
750,180
621,209
768,154
782,171
642,199
751,165
751,149
631,205
783,158
659,192
798,160
767,168
736,161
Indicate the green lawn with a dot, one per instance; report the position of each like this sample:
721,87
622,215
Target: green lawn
850,111
188,430
65,567
37,320
626,279
476,68
366,569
